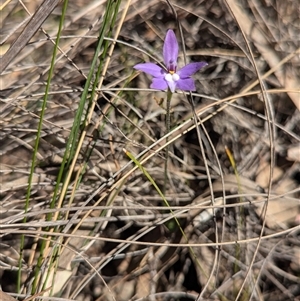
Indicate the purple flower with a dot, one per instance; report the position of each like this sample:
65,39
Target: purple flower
171,78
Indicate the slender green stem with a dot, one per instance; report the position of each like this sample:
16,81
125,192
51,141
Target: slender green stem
51,71
168,127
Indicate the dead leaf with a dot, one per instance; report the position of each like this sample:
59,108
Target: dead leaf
293,153
6,297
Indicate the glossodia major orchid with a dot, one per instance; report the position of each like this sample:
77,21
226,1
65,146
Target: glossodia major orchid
171,77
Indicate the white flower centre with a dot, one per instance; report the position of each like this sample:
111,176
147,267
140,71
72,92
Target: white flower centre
172,77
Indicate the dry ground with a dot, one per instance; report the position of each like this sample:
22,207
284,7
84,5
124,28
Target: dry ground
235,191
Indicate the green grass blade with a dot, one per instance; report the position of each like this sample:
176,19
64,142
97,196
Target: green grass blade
64,9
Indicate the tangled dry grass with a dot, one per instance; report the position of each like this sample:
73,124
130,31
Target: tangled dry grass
235,191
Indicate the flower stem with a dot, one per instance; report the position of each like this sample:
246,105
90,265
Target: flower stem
168,126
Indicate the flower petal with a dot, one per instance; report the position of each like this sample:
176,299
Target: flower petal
171,80
186,84
159,84
151,69
190,69
172,86
170,51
